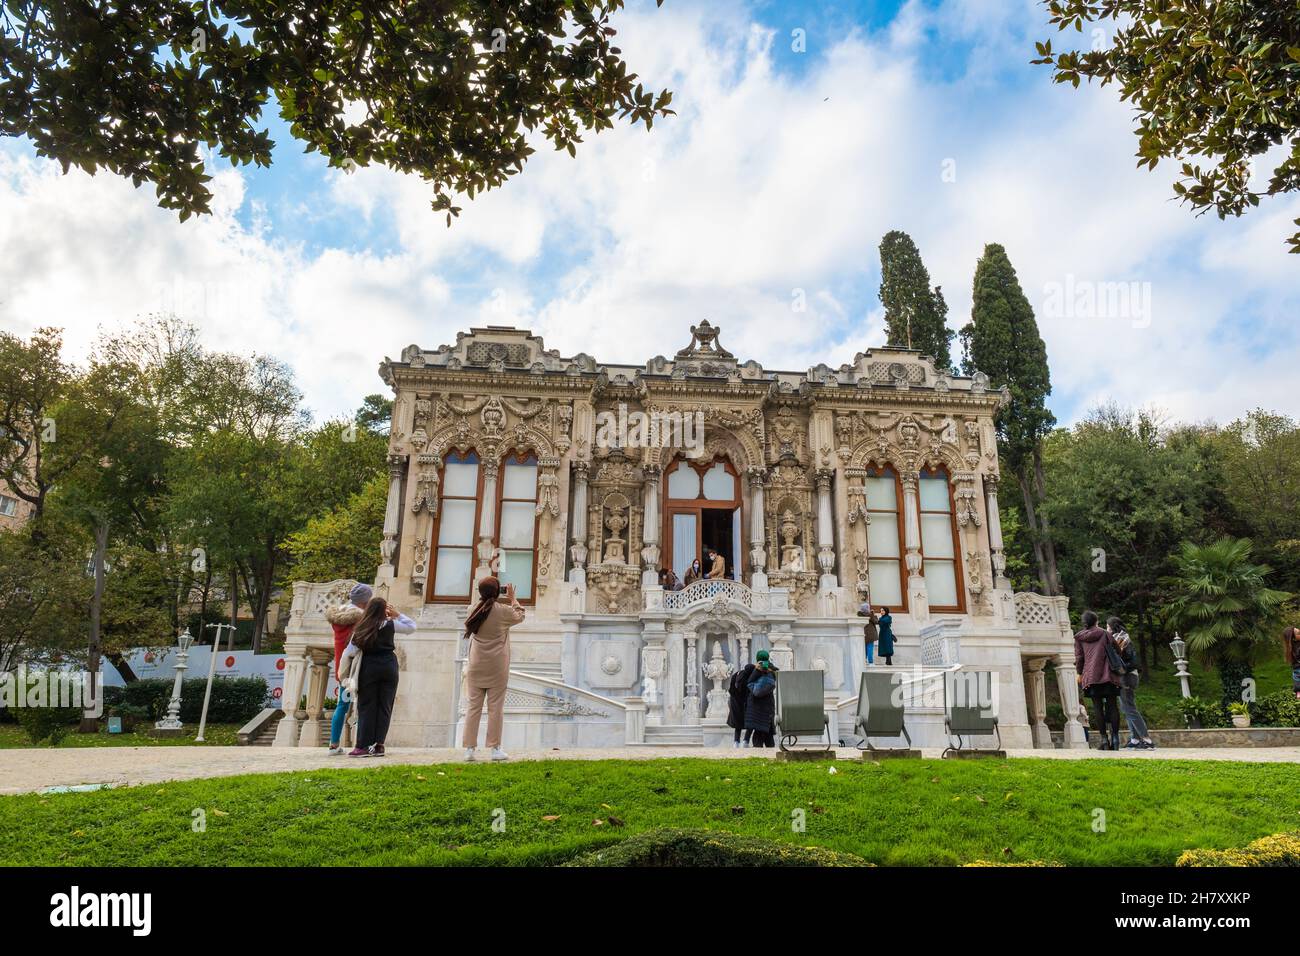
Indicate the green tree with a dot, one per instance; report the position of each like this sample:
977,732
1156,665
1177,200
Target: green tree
915,314
1123,493
375,413
1218,80
1260,454
1002,341
1220,602
450,91
344,541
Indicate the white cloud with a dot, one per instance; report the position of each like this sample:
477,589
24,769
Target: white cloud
767,181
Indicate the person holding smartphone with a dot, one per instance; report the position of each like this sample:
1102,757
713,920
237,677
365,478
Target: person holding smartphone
488,670
373,637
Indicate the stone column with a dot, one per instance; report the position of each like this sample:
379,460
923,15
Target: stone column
691,699
825,531
295,670
917,597
654,671
1067,685
1037,698
317,682
650,527
996,548
781,650
392,514
578,534
757,530
487,519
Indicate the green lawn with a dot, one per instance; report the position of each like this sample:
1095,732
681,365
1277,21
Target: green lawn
894,812
216,735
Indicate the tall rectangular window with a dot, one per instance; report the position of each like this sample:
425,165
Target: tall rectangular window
884,541
457,524
938,541
517,523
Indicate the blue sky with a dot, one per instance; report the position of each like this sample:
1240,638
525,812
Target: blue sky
776,179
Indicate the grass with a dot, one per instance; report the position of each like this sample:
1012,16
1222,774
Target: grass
924,812
217,735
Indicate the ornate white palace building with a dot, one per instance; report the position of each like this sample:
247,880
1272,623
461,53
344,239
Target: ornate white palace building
876,479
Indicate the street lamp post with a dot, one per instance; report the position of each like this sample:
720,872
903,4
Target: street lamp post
171,724
212,669
1179,647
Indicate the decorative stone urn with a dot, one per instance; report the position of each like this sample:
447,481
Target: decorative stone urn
717,670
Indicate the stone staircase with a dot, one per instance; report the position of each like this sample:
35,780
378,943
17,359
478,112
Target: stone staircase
673,735
550,670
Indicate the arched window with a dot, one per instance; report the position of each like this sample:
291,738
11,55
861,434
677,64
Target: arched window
702,510
457,526
941,564
885,539
517,523
460,514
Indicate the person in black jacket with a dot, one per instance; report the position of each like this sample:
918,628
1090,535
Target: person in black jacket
1139,738
377,682
737,697
760,707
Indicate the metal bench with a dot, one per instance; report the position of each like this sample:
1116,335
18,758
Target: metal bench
801,707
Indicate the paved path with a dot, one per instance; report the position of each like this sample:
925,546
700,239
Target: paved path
26,770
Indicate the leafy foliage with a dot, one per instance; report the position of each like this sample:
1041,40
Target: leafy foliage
344,542
1220,600
449,91
915,314
1218,80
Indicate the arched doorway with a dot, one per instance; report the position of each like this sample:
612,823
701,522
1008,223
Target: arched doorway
702,509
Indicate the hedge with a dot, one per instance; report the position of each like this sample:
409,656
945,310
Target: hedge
1276,710
1280,849
669,846
235,700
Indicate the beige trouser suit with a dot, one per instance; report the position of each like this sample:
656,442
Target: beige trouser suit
488,671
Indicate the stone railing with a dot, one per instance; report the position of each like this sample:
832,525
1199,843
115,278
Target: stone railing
940,645
701,591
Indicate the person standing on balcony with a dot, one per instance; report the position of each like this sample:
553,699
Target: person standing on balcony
377,683
717,566
488,671
693,573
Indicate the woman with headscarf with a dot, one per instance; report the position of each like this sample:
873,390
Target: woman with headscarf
488,629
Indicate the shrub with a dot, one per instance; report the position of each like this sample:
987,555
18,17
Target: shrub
1276,710
668,846
47,723
1280,849
1208,713
235,700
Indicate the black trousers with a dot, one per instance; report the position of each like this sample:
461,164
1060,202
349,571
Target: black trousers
1106,698
763,738
376,691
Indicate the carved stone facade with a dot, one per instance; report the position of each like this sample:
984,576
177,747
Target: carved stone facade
778,467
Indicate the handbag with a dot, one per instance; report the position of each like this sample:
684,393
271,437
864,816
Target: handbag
1113,658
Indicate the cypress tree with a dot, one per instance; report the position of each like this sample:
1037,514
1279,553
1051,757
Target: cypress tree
915,313
1002,341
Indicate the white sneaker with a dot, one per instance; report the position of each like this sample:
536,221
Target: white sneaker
469,755
737,745
336,751
499,754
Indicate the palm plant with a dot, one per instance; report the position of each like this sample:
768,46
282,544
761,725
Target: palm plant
1221,603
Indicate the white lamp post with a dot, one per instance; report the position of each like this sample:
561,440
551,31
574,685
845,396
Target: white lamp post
1179,647
172,722
212,669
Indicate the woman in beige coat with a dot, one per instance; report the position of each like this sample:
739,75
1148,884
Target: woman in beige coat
488,628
